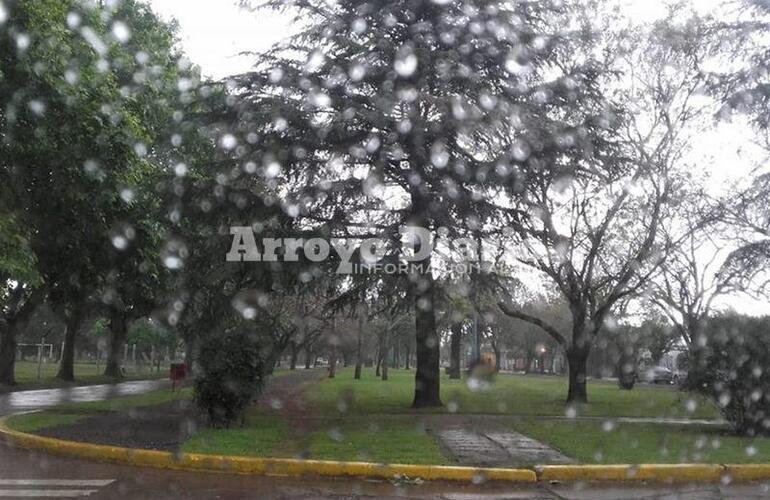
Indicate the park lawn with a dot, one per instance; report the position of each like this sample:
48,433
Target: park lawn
32,422
85,374
381,440
508,394
633,443
260,436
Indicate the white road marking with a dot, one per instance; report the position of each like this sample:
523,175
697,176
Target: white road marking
56,482
44,493
50,488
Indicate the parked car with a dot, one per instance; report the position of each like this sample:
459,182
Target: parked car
656,375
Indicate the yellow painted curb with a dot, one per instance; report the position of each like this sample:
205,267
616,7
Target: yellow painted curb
255,465
748,472
665,473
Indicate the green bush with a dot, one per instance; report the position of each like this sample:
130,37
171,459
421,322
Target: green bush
730,364
231,375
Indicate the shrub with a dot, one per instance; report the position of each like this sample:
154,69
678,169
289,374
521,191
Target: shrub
231,375
730,364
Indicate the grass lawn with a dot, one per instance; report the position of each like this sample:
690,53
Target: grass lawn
380,439
369,420
606,442
85,374
508,394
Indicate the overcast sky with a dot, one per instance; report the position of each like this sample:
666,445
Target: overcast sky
214,32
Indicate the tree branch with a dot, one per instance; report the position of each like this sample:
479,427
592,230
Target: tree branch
553,332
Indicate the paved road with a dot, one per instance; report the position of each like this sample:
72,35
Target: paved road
27,474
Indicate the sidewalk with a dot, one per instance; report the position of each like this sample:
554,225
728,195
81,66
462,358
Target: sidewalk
13,402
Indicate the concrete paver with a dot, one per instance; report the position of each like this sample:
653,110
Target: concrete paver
497,448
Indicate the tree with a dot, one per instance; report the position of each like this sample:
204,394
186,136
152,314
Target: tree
66,144
19,290
691,279
401,101
597,228
742,87
132,275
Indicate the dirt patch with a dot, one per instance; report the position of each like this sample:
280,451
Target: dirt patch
161,427
167,426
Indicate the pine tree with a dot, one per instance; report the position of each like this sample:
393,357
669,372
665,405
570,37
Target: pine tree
378,115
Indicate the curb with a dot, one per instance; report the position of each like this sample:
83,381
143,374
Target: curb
258,466
659,473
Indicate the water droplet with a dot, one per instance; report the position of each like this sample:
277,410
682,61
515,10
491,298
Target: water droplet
320,99
121,32
359,25
22,41
272,170
276,75
73,20
127,195
37,107
514,66
228,141
93,40
406,62
315,61
608,425
71,77
520,150
439,155
357,72
122,236
180,169
119,242
336,435
173,254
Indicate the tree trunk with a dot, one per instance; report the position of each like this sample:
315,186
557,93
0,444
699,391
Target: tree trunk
118,333
294,355
19,312
407,354
396,355
496,350
426,378
190,352
455,344
359,349
577,358
333,363
7,353
67,366
385,353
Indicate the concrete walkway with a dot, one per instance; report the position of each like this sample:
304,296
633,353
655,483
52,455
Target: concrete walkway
497,448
